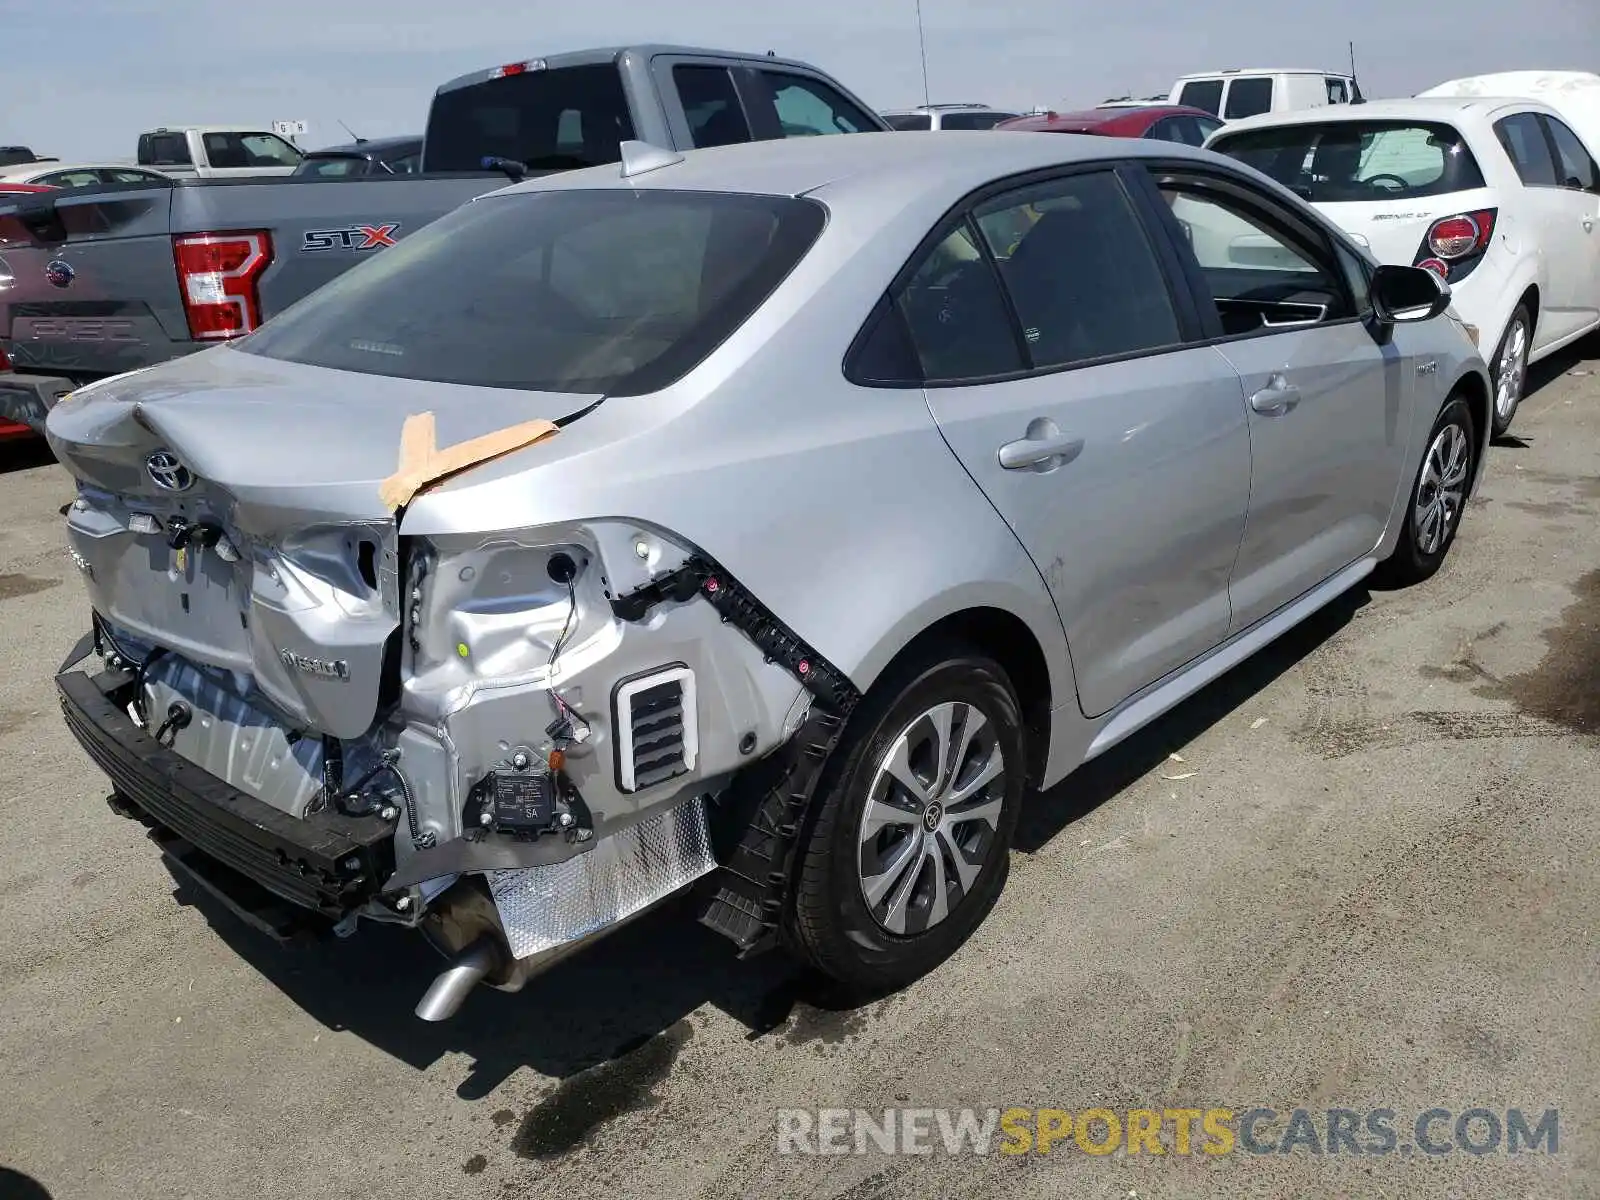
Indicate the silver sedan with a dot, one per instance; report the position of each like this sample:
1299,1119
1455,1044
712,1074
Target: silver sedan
776,518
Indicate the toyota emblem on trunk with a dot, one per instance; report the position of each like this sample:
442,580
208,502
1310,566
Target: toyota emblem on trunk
58,273
167,472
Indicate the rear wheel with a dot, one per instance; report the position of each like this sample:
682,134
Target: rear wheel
1511,368
1437,497
910,848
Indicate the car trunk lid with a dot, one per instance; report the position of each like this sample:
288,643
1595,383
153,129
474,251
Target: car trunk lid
229,512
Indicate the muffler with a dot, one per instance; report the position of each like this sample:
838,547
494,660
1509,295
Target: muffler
449,990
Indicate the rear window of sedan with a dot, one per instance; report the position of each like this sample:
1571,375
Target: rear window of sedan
609,291
1358,161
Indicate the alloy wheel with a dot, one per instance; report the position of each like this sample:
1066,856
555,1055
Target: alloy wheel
1442,487
1511,370
931,818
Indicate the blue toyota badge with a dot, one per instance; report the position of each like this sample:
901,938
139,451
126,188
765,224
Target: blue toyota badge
59,273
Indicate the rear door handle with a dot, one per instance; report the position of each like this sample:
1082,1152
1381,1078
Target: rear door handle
1040,452
1277,398
1588,224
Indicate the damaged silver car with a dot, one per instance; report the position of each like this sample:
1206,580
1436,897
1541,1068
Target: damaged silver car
767,521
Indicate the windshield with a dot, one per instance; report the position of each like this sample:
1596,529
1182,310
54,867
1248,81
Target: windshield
568,117
1342,161
610,291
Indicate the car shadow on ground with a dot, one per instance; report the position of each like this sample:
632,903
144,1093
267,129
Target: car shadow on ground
1542,374
628,996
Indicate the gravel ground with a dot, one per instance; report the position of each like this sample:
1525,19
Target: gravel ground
1369,883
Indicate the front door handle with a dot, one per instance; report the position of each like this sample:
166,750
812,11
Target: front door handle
1588,224
1040,450
1277,398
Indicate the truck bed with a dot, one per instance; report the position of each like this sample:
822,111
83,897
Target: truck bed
95,288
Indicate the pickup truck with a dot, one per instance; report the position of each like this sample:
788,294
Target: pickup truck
112,279
217,152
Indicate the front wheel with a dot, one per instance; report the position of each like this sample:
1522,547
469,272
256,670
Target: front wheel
1437,497
910,848
1511,368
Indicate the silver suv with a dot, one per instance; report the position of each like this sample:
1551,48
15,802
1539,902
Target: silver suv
946,116
774,518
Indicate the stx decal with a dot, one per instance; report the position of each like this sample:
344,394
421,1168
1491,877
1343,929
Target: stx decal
351,237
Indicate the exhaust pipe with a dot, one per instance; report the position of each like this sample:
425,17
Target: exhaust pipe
449,990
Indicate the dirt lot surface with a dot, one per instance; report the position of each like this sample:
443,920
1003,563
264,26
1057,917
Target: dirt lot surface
1370,882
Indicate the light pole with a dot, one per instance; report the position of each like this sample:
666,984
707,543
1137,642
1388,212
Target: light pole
922,43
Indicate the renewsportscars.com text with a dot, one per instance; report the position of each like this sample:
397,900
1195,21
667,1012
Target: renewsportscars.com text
1159,1131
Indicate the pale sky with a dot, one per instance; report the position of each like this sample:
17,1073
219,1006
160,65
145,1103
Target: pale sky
82,78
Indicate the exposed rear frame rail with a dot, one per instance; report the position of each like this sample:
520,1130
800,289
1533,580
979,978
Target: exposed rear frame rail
765,811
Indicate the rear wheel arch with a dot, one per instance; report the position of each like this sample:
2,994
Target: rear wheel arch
1480,396
1008,640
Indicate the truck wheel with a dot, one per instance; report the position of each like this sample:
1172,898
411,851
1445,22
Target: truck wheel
1511,368
911,846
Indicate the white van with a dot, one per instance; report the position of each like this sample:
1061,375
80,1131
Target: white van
1232,94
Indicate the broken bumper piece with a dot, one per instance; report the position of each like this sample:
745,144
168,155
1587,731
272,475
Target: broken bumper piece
27,399
329,864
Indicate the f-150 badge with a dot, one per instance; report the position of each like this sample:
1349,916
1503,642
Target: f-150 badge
351,237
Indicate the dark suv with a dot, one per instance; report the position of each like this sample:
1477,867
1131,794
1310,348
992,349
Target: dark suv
378,156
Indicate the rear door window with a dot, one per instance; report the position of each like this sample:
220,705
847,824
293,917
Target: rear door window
956,314
232,151
1577,167
1525,143
547,120
164,150
1083,278
1249,98
806,107
1358,161
973,120
606,291
1204,94
711,105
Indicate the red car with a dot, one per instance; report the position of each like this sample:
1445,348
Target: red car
1164,122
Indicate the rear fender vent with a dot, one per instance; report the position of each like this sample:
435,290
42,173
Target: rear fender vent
657,736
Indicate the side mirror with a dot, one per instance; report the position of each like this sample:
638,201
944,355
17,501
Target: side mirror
1403,295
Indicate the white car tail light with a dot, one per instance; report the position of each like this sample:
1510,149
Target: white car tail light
218,274
1460,236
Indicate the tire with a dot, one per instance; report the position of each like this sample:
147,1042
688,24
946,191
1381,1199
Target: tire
1510,368
873,947
1438,494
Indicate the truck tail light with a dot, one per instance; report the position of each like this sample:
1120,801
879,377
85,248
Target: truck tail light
218,275
5,363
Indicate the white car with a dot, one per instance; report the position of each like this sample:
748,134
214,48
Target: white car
1573,94
49,173
1237,93
1499,197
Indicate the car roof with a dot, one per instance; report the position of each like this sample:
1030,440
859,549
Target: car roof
1229,72
1416,108
959,160
608,54
264,127
1121,116
941,108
